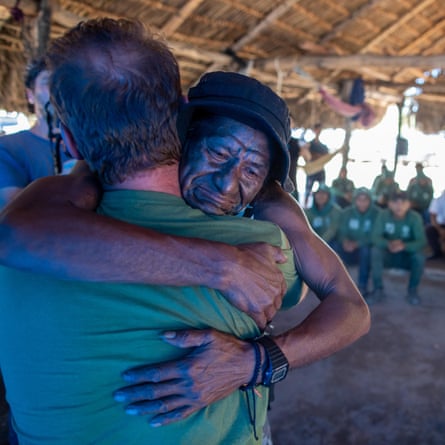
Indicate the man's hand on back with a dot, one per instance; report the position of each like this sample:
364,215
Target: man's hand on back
217,365
254,283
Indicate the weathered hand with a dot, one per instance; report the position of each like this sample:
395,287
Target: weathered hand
83,189
217,365
257,286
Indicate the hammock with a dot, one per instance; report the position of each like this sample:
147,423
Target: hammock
312,167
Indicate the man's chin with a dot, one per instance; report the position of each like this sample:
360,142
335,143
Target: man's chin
206,204
209,207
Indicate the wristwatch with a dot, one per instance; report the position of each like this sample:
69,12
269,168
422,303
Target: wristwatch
276,362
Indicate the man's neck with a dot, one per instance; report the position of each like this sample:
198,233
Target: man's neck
40,128
160,179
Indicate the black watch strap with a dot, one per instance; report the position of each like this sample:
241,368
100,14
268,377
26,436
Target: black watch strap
277,365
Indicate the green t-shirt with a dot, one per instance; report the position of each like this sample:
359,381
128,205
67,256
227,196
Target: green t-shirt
420,192
325,221
64,344
409,229
357,226
341,186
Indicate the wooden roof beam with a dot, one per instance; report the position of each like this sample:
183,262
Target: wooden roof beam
437,28
412,46
342,25
354,62
432,98
397,24
59,15
268,20
195,53
182,15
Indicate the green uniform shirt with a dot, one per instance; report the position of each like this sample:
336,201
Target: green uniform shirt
342,186
420,195
357,226
64,344
383,190
409,229
326,221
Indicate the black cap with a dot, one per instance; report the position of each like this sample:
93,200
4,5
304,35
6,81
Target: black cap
244,99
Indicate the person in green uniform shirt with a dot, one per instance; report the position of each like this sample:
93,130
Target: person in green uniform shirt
420,193
385,187
83,334
354,235
343,188
398,241
324,215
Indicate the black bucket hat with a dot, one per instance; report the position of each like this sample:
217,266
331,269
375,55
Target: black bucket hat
247,100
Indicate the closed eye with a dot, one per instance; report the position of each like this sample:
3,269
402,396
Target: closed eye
218,154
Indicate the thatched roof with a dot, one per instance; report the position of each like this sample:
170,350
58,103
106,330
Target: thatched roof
295,46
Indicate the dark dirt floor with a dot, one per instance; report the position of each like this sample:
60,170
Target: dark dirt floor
386,389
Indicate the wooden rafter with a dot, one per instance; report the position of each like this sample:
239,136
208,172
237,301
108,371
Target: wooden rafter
415,43
175,22
267,21
196,53
390,30
345,23
43,26
396,25
355,61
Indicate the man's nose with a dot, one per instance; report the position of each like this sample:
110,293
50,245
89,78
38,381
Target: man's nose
226,179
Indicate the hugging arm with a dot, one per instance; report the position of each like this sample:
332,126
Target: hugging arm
342,315
51,228
221,363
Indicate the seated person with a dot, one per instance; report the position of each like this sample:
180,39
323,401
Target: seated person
324,215
354,235
385,187
343,188
435,232
398,241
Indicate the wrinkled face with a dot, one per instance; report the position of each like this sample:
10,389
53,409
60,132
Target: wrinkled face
362,202
321,198
399,207
223,166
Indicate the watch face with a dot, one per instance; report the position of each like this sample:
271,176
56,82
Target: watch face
279,373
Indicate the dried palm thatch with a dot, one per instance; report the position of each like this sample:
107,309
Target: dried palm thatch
294,46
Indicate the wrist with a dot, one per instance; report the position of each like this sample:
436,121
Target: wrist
276,365
257,372
222,268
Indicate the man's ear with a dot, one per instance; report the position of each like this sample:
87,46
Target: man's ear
69,141
30,96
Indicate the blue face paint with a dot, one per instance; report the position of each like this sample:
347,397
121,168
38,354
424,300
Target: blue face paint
224,167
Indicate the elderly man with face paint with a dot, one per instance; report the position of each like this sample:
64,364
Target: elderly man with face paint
233,150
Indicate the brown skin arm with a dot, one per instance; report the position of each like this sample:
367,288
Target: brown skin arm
51,228
220,363
342,316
